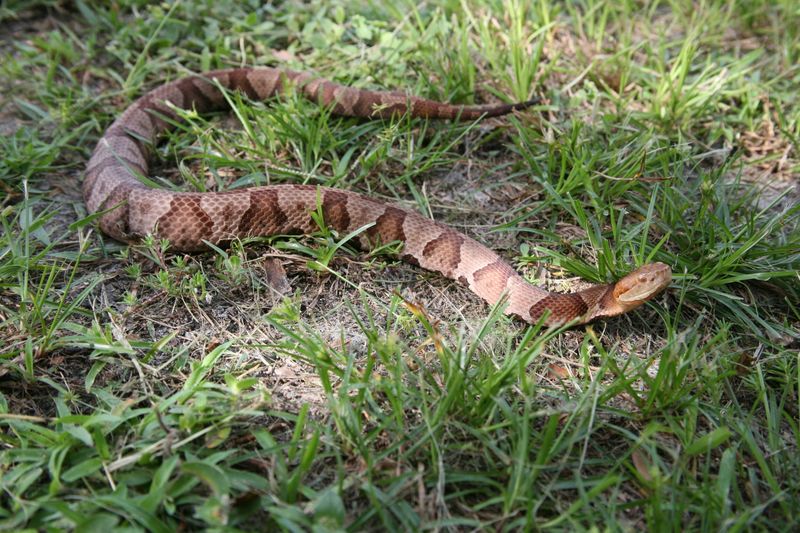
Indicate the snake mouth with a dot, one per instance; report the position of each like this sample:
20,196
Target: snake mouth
642,284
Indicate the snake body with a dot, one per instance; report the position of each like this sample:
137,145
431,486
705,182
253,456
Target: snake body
131,209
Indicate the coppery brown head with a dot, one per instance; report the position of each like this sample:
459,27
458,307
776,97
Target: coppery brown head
641,285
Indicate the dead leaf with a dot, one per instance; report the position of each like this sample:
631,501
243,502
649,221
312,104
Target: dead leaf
276,276
642,464
558,371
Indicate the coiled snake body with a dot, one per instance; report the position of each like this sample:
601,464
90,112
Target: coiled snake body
188,220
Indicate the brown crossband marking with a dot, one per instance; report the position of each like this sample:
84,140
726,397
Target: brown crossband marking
494,274
559,305
388,227
115,222
600,297
193,93
141,146
410,259
334,210
444,252
161,116
117,161
140,122
186,225
264,216
323,93
239,80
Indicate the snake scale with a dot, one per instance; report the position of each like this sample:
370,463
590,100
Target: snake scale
130,209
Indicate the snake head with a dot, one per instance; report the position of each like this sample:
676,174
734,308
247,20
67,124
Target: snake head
642,284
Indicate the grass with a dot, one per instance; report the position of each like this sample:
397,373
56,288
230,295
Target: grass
149,390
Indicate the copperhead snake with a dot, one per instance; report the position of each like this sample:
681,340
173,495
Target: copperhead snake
188,220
